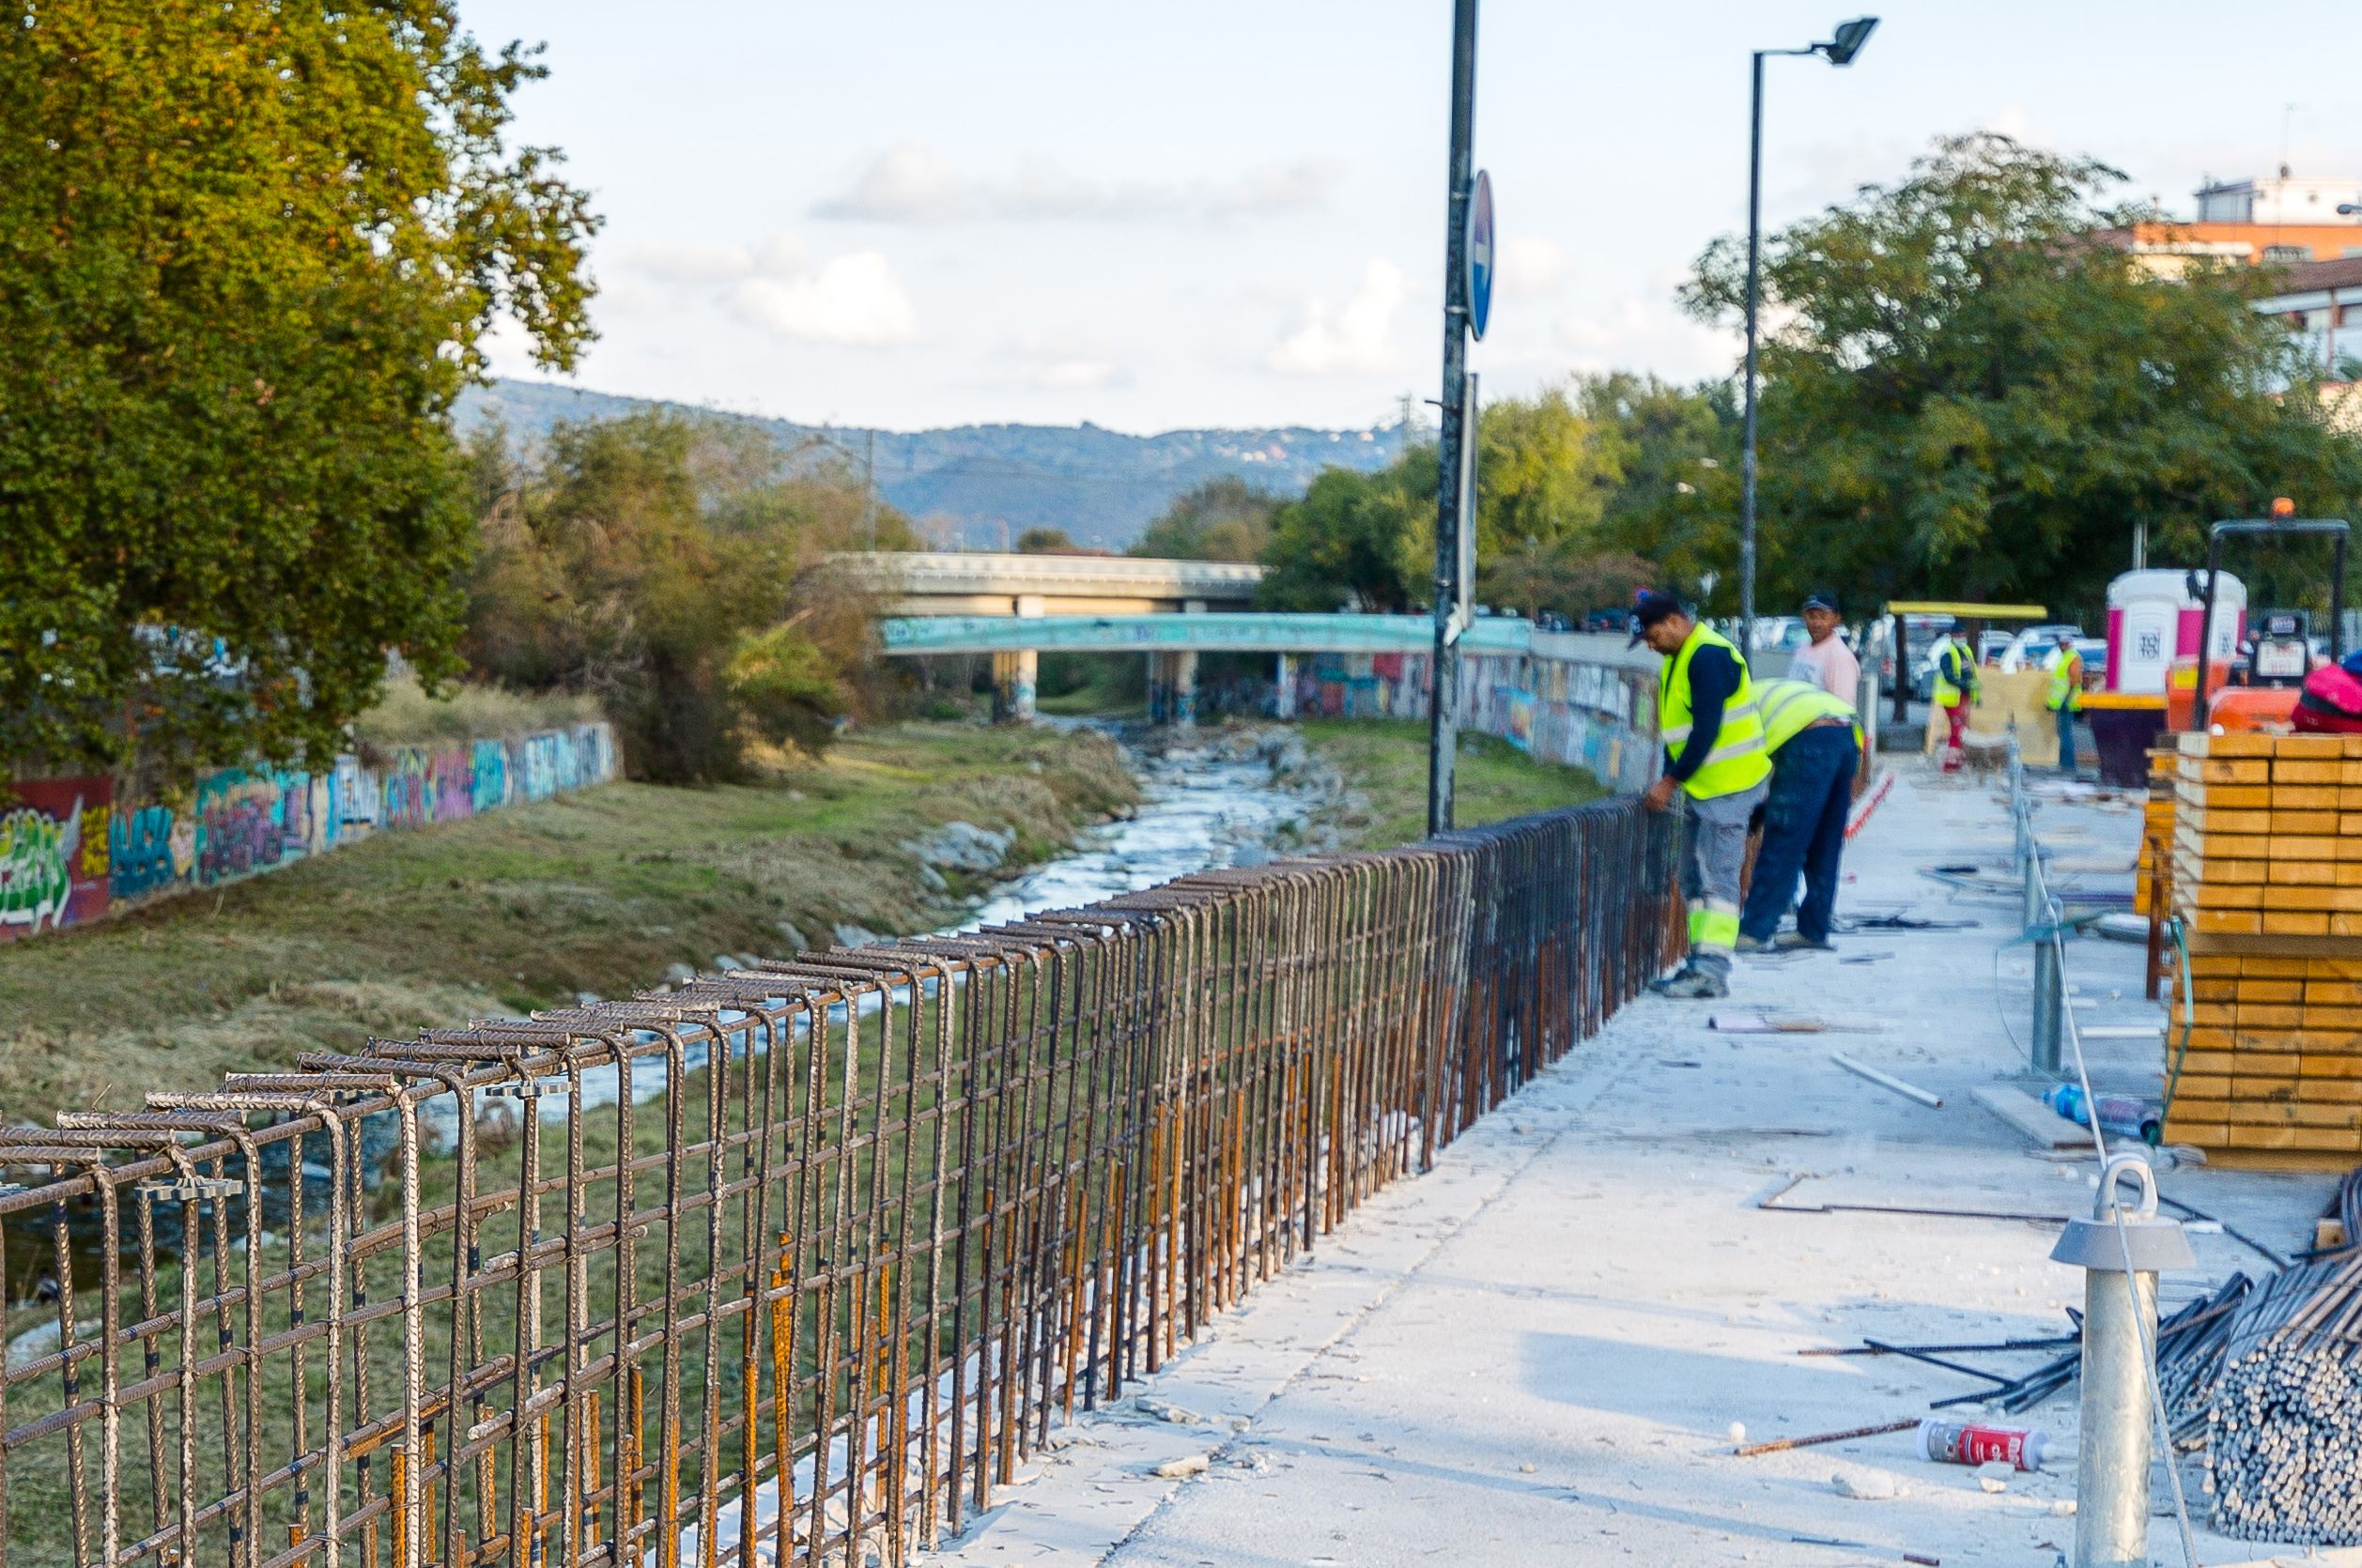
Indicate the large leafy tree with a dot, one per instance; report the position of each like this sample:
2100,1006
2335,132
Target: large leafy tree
1221,518
675,569
1967,394
247,251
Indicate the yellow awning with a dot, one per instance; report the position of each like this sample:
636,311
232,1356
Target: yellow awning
1968,611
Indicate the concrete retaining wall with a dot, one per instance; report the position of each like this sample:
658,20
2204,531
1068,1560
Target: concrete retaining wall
1581,699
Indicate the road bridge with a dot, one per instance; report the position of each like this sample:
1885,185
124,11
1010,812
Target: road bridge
973,588
1173,644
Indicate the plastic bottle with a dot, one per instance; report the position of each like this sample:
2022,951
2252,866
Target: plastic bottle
1965,1443
2118,1112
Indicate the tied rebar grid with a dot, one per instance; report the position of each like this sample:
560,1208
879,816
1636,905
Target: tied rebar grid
792,1265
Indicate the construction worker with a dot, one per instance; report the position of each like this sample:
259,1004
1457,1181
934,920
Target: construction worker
1955,688
1714,754
2065,698
1816,744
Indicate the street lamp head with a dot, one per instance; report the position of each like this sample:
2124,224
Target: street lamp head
1852,35
2348,210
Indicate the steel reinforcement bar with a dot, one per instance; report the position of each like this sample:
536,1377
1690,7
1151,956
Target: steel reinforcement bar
791,1265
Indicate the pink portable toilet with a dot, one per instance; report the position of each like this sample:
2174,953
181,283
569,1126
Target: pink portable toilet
2152,618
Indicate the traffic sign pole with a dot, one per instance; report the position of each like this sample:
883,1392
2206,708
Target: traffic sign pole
1444,668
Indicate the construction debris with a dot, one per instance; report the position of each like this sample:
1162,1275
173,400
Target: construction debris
1886,1081
1780,1444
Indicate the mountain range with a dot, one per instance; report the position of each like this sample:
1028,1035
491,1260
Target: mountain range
981,485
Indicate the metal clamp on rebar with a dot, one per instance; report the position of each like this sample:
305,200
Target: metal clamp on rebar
2152,1244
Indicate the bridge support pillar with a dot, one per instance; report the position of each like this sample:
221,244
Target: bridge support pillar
1015,677
1185,688
1284,687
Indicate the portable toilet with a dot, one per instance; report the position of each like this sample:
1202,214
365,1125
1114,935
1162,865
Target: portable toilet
2152,618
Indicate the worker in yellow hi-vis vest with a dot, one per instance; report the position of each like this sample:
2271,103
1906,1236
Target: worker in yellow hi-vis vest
2065,698
1815,742
1715,755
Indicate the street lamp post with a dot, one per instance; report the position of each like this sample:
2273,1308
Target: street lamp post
1841,49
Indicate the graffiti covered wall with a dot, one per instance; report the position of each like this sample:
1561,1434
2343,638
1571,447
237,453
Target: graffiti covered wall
54,853
69,855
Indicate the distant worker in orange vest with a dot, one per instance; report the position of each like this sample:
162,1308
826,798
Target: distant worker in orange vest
2066,696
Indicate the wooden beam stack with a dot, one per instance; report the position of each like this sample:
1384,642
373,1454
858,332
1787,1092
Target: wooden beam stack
2267,876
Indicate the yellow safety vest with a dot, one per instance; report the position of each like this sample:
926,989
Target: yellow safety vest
1791,707
1952,674
1739,760
2066,682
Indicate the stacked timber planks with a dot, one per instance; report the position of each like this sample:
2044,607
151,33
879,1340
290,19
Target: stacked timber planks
2156,867
2266,877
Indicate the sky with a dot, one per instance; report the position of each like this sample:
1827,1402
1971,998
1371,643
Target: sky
1146,215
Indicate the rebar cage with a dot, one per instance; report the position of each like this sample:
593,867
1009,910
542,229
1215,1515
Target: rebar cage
788,1265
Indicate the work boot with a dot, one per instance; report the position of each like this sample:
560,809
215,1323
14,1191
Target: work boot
1748,945
1789,941
1691,984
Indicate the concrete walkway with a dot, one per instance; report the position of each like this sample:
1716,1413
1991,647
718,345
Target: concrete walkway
1539,1352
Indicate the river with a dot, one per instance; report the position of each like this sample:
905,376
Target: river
1204,804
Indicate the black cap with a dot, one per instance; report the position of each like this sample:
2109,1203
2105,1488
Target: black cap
1650,605
1821,598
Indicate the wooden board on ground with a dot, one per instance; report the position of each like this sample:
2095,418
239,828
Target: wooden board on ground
2043,1127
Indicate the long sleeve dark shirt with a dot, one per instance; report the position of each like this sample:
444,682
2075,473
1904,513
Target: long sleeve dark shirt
1713,681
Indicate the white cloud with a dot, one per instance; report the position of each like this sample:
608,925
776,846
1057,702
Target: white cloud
1532,265
1061,362
709,264
1357,338
1645,333
853,300
912,184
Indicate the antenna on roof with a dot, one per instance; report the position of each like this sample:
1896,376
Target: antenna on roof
2288,114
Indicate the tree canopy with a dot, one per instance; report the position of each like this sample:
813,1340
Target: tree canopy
673,568
1569,485
246,255
1967,394
1222,518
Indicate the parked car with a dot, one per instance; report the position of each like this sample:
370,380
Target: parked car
2035,643
1991,643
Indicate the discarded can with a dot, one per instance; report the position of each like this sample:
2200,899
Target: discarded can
1959,1443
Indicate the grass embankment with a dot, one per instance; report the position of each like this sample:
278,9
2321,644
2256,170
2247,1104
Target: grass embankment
523,908
1384,763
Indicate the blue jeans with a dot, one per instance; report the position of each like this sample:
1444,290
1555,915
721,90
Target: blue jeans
2067,739
1804,830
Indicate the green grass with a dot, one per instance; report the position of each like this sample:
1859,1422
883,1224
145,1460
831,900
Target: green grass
1384,761
406,715
523,908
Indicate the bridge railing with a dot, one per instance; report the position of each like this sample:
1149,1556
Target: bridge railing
786,1265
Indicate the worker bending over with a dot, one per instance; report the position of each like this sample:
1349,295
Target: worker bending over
1714,754
1816,744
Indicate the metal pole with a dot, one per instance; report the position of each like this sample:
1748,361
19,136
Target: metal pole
2111,1484
1747,458
1443,673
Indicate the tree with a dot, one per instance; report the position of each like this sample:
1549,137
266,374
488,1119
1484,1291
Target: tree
246,256
662,564
1045,541
1549,470
1349,543
1222,518
1968,395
